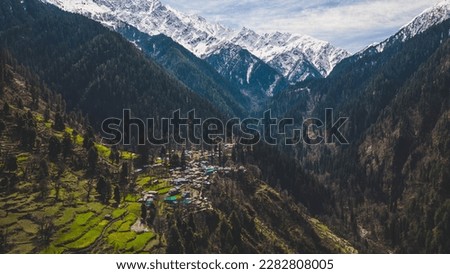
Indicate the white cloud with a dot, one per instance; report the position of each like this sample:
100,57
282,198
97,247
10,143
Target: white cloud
351,24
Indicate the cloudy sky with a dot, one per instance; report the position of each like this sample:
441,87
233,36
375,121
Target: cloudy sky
350,24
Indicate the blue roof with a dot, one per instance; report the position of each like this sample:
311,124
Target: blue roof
171,198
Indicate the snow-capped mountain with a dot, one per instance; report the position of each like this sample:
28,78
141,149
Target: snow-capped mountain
295,57
428,18
285,51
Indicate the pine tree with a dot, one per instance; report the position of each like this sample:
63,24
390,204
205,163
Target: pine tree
92,159
59,122
6,109
124,173
43,169
54,148
35,93
67,145
143,152
175,161
234,154
221,162
103,189
143,212
163,152
47,114
117,195
28,137
11,163
88,138
183,159
114,156
20,103
74,136
2,126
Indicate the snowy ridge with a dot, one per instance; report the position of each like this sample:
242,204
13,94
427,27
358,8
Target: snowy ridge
428,18
286,50
283,51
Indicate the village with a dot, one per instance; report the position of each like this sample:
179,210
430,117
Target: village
188,184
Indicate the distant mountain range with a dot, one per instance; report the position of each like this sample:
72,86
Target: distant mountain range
249,67
293,57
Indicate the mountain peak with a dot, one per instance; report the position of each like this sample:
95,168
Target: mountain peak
282,51
443,3
131,5
428,18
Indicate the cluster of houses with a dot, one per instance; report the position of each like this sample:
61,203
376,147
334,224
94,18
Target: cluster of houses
188,184
148,198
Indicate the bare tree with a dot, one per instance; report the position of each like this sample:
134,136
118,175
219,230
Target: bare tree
89,187
45,231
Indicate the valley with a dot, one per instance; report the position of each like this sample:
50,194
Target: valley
66,66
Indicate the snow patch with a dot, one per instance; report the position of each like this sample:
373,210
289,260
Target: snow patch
272,87
249,72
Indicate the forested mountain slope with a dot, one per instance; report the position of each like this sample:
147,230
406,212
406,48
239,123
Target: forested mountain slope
94,68
390,183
